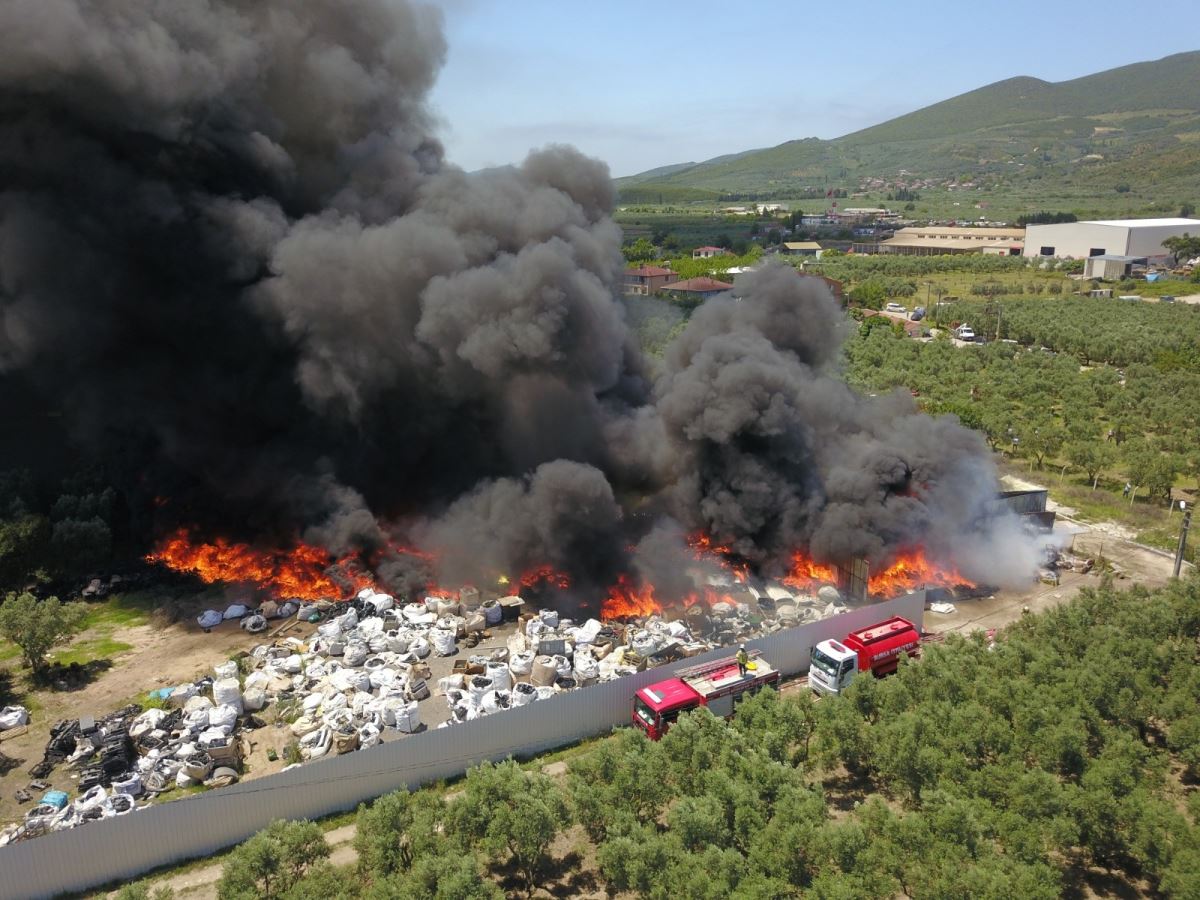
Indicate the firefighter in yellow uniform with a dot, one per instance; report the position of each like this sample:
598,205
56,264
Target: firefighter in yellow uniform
743,660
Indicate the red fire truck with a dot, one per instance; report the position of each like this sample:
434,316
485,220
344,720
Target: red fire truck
717,685
876,649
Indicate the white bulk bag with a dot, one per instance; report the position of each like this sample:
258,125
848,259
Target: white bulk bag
379,643
145,722
398,641
643,643
227,692
382,602
257,680
197,701
586,668
329,630
347,620
293,664
562,665
492,612
549,618
254,699
521,664
477,686
368,735
419,647
368,628
197,719
442,641
236,610
91,798
444,685
356,654
311,703
316,669
382,678
417,614
210,618
182,694
183,779
130,785
228,669
408,717
545,691
500,675
495,701
523,693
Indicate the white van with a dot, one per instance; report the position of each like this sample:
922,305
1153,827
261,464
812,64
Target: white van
964,333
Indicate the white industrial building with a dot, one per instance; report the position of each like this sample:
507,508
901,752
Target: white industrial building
1114,237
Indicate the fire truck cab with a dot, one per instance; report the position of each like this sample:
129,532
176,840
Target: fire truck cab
876,649
717,685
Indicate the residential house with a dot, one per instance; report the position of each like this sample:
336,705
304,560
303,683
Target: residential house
708,252
697,288
648,279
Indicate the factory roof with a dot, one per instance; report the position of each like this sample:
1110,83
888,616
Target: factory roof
1143,223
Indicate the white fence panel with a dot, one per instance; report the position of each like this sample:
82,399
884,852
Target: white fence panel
125,847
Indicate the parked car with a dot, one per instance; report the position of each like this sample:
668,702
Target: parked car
918,314
1166,298
895,308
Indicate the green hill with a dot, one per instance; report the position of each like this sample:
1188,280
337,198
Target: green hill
1137,127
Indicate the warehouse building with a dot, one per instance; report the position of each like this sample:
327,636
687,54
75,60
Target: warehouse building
944,239
1137,238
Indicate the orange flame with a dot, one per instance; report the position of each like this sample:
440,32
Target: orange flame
299,572
909,571
626,600
547,575
807,574
912,570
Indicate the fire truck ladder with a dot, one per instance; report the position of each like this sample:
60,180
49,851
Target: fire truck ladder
705,668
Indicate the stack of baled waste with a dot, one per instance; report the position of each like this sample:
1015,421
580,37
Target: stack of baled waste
549,655
363,672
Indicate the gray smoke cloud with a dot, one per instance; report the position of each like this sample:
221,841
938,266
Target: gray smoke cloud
234,259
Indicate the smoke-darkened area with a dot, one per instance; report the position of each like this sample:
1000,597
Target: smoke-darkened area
238,278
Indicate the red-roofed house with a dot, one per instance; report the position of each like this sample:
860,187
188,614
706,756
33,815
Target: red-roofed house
648,279
706,252
698,288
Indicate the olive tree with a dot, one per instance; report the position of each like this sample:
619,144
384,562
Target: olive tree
38,625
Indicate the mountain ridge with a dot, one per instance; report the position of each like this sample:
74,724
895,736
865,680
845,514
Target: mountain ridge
1114,124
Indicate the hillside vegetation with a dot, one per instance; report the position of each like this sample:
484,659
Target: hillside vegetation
1134,129
1062,761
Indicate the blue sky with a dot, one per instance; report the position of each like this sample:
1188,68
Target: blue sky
644,84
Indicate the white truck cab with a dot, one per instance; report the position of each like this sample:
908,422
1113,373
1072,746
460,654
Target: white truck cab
833,664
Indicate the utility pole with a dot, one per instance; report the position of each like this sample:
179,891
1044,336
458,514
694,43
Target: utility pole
1183,531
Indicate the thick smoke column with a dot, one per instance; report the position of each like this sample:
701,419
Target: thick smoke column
233,258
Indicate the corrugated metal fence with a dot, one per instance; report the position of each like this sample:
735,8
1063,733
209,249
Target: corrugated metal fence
123,848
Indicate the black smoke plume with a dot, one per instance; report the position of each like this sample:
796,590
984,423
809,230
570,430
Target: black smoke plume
236,269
